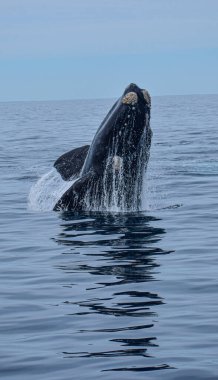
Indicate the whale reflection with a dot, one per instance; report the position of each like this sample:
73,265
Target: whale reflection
109,261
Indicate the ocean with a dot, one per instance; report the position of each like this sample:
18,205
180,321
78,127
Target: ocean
109,295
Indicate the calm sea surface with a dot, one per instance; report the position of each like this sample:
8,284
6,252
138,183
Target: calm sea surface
109,296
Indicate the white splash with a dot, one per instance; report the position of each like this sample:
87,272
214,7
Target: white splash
46,191
154,193
149,198
114,192
120,187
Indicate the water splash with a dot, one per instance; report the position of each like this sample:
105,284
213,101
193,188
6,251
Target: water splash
119,187
46,191
50,187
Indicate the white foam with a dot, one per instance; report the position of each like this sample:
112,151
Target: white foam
47,191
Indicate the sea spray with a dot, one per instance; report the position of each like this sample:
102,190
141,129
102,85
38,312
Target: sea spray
46,191
119,188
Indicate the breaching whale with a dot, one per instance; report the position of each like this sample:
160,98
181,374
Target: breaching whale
109,173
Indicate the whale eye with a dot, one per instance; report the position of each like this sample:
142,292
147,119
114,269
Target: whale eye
147,97
130,98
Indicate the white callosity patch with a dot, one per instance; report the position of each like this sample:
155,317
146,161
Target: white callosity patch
117,163
130,98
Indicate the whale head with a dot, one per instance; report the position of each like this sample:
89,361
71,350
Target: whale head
123,129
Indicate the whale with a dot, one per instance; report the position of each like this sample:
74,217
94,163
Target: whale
108,174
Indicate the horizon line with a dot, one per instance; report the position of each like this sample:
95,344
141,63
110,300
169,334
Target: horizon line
100,98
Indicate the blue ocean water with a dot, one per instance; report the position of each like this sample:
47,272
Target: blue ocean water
108,296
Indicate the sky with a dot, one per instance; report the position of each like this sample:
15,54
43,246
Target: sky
67,49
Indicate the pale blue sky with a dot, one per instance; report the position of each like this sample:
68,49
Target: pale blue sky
66,49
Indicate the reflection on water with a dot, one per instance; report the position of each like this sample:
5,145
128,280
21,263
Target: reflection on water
111,261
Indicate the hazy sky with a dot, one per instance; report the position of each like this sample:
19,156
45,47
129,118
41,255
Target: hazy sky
65,49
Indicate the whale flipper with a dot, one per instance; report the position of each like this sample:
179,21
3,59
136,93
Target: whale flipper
70,163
